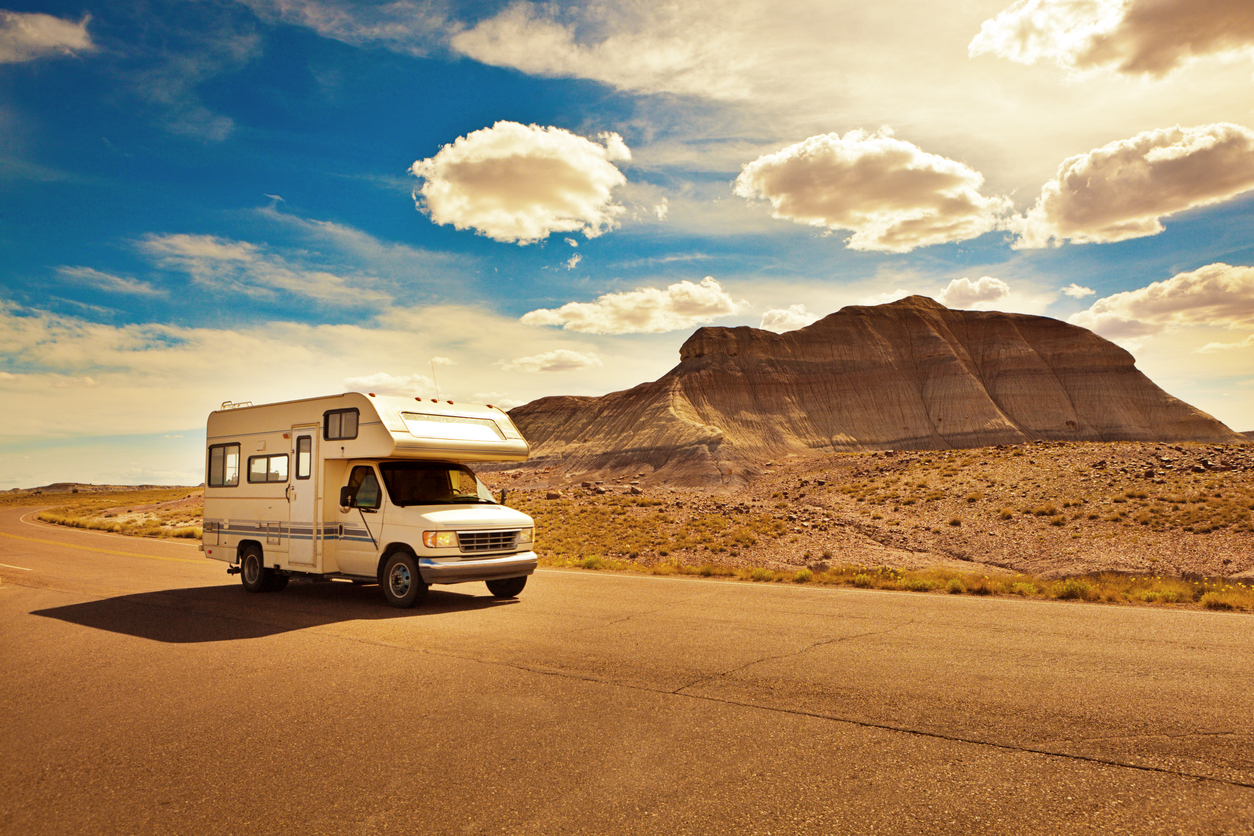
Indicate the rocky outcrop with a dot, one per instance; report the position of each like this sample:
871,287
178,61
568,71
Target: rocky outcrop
908,375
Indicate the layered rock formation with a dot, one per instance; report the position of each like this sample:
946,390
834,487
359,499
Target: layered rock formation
908,375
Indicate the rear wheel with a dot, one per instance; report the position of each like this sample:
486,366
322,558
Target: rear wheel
402,585
252,569
254,574
507,587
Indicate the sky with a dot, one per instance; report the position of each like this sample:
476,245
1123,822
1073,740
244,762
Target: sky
205,201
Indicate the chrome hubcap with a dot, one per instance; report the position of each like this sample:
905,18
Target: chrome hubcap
400,580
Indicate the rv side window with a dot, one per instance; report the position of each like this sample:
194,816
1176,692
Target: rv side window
267,468
304,456
340,424
223,465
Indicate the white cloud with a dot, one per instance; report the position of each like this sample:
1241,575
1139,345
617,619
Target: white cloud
242,267
660,48
1136,37
412,27
646,310
56,369
108,281
407,385
30,36
1218,295
1075,291
891,194
559,360
521,183
1210,348
573,261
779,321
982,293
1124,189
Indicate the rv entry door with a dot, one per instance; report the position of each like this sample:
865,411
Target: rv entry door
302,496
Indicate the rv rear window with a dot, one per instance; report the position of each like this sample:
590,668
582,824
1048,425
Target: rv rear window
223,465
340,424
267,469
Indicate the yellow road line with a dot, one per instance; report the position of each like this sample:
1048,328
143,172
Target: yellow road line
102,551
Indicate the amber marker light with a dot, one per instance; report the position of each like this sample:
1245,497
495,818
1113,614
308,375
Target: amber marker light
439,539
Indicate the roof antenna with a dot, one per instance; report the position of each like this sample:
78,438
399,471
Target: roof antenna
435,382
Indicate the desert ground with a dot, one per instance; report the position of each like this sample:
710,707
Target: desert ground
1047,509
1050,509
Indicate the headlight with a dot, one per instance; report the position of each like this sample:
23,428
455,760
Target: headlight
526,537
439,539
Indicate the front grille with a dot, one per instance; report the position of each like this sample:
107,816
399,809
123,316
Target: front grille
487,541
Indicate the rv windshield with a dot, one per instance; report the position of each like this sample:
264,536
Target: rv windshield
433,483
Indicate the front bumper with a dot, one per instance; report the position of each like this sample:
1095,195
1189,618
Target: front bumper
477,569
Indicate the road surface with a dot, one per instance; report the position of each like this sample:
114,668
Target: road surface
144,692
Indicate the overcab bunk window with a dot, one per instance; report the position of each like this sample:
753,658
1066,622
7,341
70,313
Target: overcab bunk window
223,465
339,424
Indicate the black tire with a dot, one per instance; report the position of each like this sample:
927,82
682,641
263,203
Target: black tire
507,587
402,584
252,569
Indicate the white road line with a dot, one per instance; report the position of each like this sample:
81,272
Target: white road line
20,568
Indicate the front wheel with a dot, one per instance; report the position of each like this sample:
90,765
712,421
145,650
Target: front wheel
507,587
402,585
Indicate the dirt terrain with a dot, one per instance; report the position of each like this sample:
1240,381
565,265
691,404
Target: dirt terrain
1050,509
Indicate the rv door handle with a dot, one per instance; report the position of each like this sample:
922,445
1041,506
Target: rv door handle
288,492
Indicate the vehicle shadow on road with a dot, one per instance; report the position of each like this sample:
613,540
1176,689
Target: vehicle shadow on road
228,613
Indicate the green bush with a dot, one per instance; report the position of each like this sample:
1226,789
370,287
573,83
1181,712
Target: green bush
1074,589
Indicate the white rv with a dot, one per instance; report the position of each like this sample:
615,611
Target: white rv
364,487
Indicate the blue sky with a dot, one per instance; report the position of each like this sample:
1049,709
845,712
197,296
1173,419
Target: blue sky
270,199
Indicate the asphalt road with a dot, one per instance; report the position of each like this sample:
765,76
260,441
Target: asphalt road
144,691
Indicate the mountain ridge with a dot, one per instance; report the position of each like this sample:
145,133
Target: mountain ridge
908,375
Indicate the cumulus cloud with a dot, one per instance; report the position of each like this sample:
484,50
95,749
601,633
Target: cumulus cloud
964,293
522,183
242,267
646,310
1135,37
559,360
1075,291
779,321
1123,189
891,194
664,48
406,386
1216,295
27,36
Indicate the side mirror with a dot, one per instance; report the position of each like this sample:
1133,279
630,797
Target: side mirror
346,497
502,496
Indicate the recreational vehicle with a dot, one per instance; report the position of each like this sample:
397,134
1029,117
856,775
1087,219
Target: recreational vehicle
367,488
